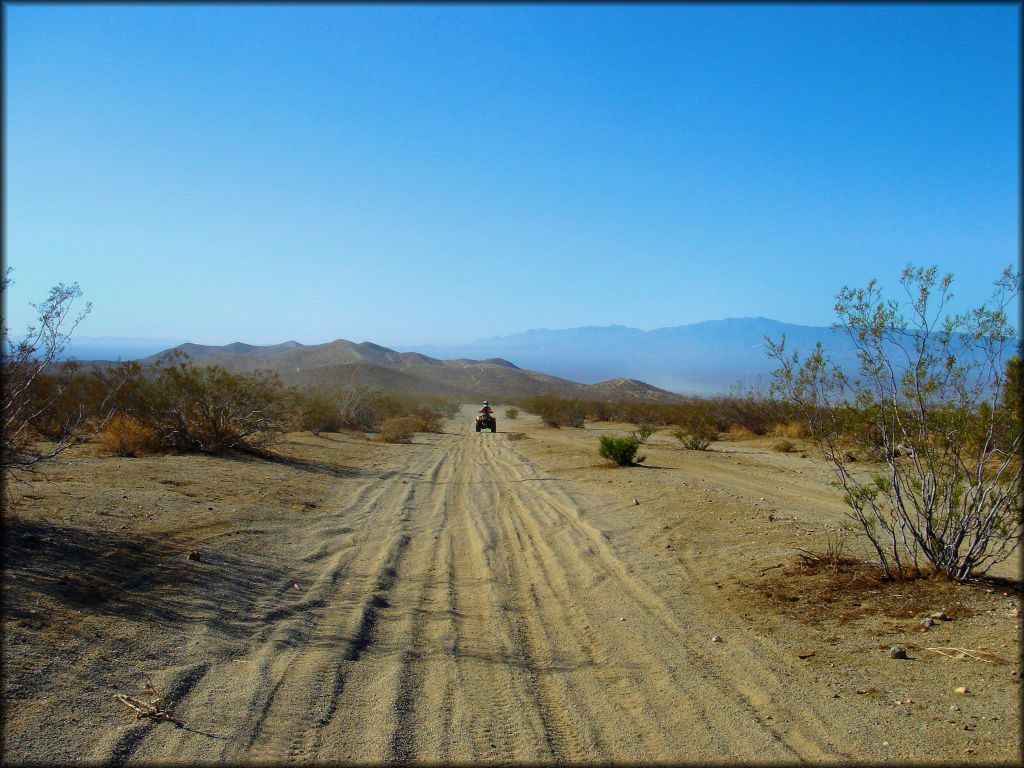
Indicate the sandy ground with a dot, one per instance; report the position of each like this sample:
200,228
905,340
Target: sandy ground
472,598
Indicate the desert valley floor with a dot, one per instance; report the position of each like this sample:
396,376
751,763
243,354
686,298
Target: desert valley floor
470,598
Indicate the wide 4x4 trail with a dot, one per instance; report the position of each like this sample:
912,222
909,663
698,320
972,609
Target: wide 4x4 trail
464,599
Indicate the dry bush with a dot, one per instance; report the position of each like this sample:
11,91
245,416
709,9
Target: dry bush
794,429
516,435
206,408
737,432
125,436
66,407
784,445
398,429
428,421
511,413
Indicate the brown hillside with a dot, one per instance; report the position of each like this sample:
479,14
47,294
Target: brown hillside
344,362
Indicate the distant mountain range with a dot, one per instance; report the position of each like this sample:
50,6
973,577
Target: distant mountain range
703,358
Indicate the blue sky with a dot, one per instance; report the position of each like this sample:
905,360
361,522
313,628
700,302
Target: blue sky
442,173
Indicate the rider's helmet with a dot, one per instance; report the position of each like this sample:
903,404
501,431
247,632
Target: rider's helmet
485,402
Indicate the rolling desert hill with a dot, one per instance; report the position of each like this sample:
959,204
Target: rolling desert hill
344,362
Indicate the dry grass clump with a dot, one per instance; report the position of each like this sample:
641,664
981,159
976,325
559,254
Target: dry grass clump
399,429
795,429
737,431
511,413
516,435
126,436
785,445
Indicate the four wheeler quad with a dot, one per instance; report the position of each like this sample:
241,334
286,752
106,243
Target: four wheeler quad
486,421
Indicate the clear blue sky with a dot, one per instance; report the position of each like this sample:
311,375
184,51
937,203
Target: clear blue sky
431,174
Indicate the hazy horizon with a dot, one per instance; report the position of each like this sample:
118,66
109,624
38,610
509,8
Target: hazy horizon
128,342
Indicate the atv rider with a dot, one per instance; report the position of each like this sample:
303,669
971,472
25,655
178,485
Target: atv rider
486,410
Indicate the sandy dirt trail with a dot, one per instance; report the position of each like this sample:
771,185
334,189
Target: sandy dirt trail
463,609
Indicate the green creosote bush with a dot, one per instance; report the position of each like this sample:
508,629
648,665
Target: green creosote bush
643,432
697,440
927,403
621,450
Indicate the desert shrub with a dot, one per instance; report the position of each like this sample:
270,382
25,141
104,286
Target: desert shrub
927,401
785,445
428,420
699,439
575,414
126,436
398,429
317,412
34,400
621,450
511,413
207,409
643,432
548,407
358,407
516,435
600,410
361,408
643,413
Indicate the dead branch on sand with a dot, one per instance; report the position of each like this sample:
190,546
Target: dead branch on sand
157,708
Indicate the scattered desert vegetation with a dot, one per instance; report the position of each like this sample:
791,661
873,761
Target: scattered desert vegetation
748,411
725,539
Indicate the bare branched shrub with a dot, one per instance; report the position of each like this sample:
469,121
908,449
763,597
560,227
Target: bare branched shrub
35,401
207,409
928,403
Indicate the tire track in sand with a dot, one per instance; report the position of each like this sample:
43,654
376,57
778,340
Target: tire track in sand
464,610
